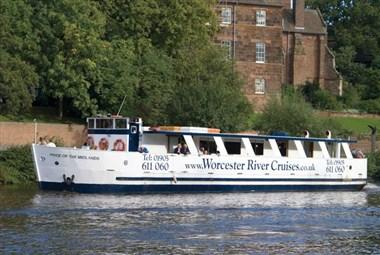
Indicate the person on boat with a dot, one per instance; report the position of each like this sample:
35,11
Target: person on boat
357,153
178,149
143,149
51,144
85,146
185,150
42,141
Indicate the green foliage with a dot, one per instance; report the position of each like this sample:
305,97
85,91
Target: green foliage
354,27
374,165
18,46
16,165
89,55
291,113
319,98
370,106
208,91
70,34
350,97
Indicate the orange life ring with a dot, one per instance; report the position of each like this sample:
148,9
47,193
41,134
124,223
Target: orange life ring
119,145
103,144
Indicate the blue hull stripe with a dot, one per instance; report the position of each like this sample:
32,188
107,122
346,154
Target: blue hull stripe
113,188
236,179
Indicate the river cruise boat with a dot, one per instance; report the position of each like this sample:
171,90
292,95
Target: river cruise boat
121,155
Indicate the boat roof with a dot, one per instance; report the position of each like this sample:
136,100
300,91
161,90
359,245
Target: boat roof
253,136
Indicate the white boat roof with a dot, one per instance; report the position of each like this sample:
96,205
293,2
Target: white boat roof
253,136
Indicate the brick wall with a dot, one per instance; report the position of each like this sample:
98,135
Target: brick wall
244,34
19,133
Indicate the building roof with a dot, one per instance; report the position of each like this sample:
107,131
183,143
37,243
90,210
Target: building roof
314,23
254,2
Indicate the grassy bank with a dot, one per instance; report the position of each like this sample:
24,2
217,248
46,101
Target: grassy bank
358,126
16,166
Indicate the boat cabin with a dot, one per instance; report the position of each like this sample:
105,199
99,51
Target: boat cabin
128,134
114,133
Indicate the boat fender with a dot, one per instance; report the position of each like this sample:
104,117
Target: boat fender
174,179
68,180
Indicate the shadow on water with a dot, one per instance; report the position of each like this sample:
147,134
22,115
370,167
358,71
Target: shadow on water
36,222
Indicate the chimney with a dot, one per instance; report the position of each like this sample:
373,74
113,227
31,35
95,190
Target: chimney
299,13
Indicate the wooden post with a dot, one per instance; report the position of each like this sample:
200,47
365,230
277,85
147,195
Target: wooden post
373,138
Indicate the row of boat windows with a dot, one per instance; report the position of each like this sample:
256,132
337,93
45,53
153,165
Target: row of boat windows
107,123
258,147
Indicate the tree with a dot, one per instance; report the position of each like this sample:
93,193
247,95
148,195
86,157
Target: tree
70,34
208,91
290,113
354,30
18,46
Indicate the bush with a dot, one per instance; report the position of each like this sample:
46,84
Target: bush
370,106
16,165
292,114
321,99
374,165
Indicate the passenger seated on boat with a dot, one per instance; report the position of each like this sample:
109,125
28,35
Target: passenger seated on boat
42,141
357,153
85,146
203,151
143,149
178,149
51,144
185,150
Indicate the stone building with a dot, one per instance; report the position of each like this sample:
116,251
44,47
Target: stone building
276,42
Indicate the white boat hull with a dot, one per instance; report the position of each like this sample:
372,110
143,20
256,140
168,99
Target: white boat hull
113,171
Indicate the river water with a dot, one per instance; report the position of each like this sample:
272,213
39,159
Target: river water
36,222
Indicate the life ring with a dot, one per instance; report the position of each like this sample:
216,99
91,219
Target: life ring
103,144
119,145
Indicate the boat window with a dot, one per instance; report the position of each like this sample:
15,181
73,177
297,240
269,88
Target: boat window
258,148
91,123
210,146
120,123
133,129
233,147
308,147
331,148
104,123
283,148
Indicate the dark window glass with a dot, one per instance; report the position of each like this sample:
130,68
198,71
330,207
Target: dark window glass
232,147
121,123
258,148
91,123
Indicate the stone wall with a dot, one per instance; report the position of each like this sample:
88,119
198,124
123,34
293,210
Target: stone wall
20,133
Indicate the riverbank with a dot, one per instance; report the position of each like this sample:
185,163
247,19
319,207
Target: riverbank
16,165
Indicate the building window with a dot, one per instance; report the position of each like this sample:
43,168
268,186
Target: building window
261,18
226,15
260,86
260,52
227,45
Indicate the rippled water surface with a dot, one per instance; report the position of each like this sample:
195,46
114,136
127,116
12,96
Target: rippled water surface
36,222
